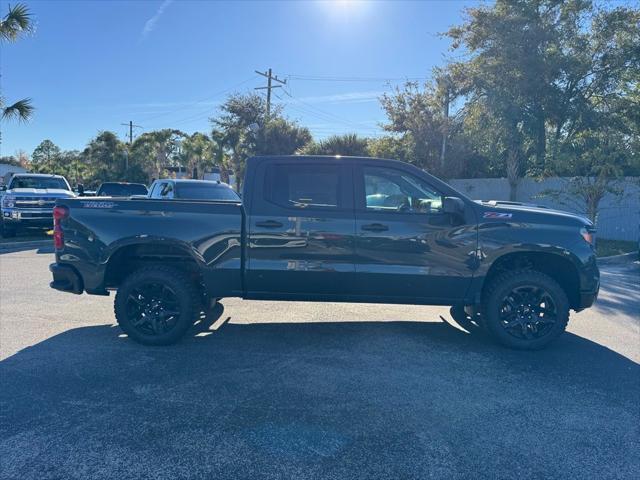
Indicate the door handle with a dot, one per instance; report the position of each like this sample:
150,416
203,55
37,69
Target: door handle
375,227
269,224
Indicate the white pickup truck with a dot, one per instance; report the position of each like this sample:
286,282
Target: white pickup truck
29,200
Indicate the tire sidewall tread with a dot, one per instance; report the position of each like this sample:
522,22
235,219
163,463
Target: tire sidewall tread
501,286
186,291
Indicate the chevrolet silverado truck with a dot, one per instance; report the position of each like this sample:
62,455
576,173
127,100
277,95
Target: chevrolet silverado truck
329,229
29,200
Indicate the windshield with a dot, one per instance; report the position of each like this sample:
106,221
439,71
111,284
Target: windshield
39,182
122,190
205,191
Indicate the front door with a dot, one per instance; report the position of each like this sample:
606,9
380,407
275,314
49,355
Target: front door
407,248
301,230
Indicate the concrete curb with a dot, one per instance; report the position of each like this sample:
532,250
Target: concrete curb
622,258
9,246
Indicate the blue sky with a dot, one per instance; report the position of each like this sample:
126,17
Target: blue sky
93,65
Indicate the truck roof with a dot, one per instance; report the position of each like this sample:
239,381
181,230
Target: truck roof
47,175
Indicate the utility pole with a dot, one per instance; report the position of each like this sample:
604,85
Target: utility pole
131,127
269,87
126,158
446,84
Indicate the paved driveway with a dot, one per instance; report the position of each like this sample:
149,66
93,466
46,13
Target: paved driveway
300,390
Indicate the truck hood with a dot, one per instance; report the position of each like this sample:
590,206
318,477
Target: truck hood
523,212
41,192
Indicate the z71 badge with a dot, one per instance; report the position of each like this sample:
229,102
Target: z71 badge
501,215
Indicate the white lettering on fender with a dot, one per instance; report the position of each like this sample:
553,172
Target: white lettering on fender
98,204
497,215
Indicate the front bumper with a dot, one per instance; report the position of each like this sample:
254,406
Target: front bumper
28,218
588,298
66,278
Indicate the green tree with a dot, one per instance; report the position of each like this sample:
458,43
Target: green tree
197,154
280,137
16,23
106,159
349,144
240,118
46,158
545,71
152,152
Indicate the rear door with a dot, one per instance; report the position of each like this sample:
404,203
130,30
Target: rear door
301,229
407,248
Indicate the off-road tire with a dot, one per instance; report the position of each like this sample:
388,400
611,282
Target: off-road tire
186,293
501,286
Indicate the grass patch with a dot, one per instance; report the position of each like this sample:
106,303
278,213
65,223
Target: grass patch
607,248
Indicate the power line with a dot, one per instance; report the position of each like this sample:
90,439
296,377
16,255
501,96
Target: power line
208,97
269,87
329,78
131,127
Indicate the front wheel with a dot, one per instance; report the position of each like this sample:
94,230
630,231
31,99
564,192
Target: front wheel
525,309
156,305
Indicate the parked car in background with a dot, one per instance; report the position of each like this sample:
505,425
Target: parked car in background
121,189
192,190
28,201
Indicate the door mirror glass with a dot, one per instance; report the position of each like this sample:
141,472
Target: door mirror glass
453,205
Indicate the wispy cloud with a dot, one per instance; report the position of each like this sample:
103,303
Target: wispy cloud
151,23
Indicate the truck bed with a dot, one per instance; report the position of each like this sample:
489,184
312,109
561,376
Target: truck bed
205,232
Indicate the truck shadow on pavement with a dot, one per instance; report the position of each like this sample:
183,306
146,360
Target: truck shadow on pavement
316,400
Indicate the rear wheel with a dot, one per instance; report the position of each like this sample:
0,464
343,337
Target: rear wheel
525,309
156,305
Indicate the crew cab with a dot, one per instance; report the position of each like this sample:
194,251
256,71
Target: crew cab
29,200
330,229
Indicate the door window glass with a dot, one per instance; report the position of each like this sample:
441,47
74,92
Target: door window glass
303,185
391,190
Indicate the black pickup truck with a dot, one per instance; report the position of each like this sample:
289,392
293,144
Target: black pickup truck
330,229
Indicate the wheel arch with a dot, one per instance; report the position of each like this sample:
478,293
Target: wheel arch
559,267
132,256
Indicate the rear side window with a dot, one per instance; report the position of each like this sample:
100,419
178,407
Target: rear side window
122,190
303,185
205,191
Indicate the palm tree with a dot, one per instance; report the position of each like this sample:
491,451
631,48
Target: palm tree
349,144
16,23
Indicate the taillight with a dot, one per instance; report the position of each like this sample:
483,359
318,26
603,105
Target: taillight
58,235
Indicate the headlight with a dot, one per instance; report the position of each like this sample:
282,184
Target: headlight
8,201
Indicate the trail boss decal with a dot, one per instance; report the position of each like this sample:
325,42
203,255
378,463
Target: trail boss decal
500,215
98,204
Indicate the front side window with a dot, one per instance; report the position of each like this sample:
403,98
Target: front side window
390,190
303,185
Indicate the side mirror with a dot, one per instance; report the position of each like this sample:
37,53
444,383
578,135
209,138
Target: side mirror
3,188
453,205
80,188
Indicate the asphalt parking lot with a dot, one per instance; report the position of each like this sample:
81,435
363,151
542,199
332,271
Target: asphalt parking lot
306,391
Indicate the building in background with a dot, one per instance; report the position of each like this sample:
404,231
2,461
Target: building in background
7,171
